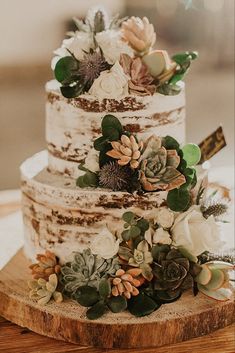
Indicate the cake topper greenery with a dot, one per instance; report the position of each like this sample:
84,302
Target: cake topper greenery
114,58
145,263
122,162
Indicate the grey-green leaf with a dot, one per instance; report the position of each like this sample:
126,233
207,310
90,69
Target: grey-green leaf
96,311
117,304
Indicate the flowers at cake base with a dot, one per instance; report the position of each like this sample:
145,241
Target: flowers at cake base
112,84
105,244
192,231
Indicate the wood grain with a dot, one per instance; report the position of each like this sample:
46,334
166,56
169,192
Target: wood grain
172,323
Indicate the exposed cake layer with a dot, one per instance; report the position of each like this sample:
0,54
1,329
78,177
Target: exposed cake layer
63,218
73,124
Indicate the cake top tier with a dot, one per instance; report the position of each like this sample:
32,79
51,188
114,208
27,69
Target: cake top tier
112,58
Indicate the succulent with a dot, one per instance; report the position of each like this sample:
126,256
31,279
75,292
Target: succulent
126,151
140,257
172,270
213,280
115,177
158,167
43,291
139,34
141,82
86,269
126,282
46,266
91,67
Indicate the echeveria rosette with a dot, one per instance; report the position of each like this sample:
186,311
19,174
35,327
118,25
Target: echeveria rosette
158,167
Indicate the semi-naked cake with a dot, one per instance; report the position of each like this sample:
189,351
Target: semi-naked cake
113,213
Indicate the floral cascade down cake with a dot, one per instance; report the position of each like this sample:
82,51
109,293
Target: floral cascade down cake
113,212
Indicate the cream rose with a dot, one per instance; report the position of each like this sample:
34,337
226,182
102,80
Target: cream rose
164,217
112,45
196,233
105,244
161,236
111,83
92,161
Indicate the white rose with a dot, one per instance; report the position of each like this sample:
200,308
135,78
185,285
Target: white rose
112,45
111,83
80,43
161,236
164,217
196,233
105,244
92,161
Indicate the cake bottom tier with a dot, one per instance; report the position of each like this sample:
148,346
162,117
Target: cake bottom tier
62,218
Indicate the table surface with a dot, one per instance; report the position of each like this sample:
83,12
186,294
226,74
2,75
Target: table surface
15,339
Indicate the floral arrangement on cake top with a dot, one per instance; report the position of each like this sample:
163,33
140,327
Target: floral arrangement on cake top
150,262
114,58
122,162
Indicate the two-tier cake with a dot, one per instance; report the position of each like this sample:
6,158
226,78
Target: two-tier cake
114,202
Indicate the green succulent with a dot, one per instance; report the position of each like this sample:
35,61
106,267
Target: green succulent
158,168
140,257
43,291
86,269
213,280
172,270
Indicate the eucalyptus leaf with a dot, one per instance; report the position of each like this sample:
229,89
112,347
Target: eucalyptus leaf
168,89
65,68
134,231
96,311
143,224
91,179
111,127
178,199
80,182
100,143
126,236
104,288
128,217
170,143
191,154
117,304
142,305
72,91
86,296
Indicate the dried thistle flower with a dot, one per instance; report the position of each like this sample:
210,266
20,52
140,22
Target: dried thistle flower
115,177
126,151
46,266
91,67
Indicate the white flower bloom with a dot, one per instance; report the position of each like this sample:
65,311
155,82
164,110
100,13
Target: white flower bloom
112,45
161,236
164,217
196,233
80,43
105,244
111,83
92,161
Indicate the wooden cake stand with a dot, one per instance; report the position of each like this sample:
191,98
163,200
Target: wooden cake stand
184,319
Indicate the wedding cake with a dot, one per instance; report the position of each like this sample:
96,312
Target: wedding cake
113,209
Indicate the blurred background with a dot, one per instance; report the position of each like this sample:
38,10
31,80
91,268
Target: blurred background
30,30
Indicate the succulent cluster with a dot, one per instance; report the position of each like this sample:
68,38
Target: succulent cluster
47,265
43,291
99,43
126,163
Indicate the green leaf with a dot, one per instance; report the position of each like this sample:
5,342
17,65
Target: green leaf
170,143
126,235
72,91
128,217
91,179
65,68
111,128
176,78
163,297
134,231
181,58
96,311
86,296
80,182
100,143
117,304
191,154
178,199
104,288
143,224
142,305
168,89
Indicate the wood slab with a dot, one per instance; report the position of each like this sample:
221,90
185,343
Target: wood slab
187,318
